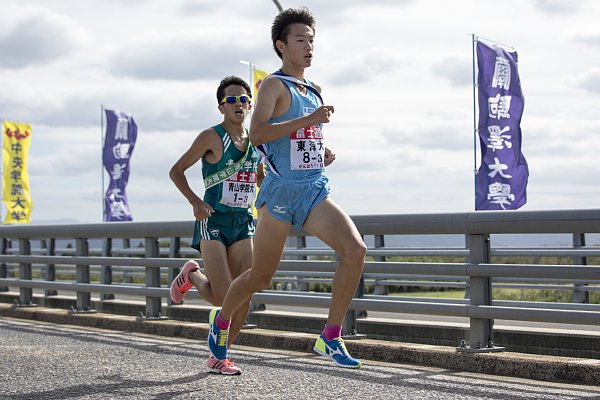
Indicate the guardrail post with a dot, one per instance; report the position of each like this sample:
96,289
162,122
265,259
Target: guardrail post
84,299
481,334
379,243
106,270
360,293
153,304
360,289
127,276
50,271
580,296
4,245
301,244
299,285
380,290
174,252
350,327
468,279
25,294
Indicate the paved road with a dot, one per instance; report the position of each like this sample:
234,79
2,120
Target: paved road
48,361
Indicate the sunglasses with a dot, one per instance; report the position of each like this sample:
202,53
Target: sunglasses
244,98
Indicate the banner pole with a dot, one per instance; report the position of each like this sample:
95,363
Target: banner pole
250,75
496,43
1,170
250,83
475,133
101,160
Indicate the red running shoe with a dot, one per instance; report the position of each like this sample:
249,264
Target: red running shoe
224,367
181,284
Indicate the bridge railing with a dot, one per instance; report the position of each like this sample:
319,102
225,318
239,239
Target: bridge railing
477,270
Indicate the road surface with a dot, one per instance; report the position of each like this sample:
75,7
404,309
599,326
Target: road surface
49,361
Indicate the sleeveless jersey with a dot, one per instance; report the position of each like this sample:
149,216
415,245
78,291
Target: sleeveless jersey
301,154
236,193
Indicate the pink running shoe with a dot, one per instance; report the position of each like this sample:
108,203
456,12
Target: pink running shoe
224,367
181,284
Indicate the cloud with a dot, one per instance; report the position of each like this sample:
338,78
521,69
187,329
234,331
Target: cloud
180,57
197,7
587,35
334,8
160,106
403,107
449,136
193,8
456,70
38,36
589,80
70,159
362,68
557,6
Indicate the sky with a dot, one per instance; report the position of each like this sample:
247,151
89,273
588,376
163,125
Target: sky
398,72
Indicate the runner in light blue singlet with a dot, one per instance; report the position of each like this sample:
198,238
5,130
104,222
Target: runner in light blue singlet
286,129
296,182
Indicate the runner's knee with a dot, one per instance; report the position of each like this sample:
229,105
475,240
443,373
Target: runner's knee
218,297
354,250
260,282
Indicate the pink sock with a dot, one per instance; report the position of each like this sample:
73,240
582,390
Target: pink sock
222,323
332,331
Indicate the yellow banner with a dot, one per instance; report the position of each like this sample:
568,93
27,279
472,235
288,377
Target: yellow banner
16,193
257,78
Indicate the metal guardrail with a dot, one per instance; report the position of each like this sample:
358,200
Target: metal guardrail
477,227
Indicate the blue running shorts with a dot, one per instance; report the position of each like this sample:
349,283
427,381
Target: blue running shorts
291,200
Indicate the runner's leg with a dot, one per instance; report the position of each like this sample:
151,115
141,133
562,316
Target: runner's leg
332,225
212,286
269,241
239,257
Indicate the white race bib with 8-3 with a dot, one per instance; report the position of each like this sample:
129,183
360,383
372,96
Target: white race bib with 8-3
307,149
239,190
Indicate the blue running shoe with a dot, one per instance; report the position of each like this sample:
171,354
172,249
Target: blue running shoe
336,350
217,338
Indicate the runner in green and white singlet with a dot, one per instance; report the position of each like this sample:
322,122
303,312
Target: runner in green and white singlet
224,224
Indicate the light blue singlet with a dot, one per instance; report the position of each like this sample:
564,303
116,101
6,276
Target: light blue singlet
279,151
295,182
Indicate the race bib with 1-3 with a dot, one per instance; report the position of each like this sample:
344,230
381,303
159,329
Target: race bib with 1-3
307,149
239,190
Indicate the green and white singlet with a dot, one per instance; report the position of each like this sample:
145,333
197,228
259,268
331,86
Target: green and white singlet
237,192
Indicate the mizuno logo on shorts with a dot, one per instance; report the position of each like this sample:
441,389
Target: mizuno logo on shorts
279,209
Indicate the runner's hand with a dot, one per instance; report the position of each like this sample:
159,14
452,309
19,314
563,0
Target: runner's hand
329,156
322,114
202,210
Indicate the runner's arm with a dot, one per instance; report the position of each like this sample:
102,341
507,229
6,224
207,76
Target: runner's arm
203,144
271,94
260,174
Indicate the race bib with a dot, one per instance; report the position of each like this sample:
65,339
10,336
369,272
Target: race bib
239,190
307,149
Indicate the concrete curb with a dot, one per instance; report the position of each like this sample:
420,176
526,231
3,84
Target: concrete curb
575,344
543,368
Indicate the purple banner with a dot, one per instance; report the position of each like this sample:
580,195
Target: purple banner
503,173
119,141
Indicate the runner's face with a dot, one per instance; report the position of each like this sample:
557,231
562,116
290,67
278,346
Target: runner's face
300,44
235,111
